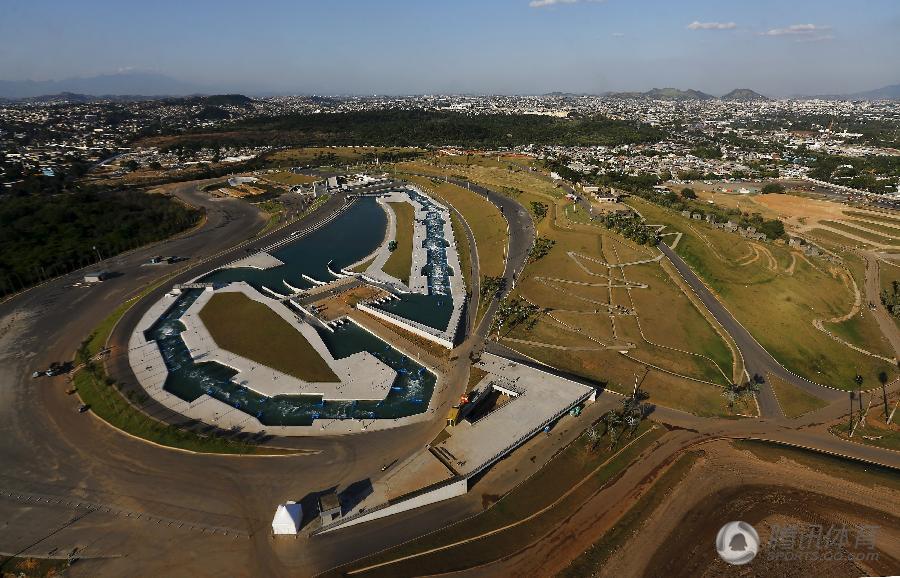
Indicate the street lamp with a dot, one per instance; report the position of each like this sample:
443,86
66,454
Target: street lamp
99,258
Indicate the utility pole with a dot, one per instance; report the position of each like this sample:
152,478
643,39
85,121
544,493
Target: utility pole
850,415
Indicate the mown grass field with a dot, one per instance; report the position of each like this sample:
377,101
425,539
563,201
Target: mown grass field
776,296
399,263
862,329
250,329
835,241
487,223
107,403
679,340
672,339
462,249
886,230
858,231
794,401
891,219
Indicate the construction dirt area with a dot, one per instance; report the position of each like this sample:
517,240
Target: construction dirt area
667,525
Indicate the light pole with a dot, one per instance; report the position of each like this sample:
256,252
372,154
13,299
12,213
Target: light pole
99,258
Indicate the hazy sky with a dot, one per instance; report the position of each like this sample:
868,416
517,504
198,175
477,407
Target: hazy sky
778,47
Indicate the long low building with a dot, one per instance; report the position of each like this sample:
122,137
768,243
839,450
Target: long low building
532,400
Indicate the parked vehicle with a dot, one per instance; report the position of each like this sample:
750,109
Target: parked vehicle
83,408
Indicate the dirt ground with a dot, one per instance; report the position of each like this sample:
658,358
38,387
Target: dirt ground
726,483
732,484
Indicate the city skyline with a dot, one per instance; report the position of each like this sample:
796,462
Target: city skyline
508,47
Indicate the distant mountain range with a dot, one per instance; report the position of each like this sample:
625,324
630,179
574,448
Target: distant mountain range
134,85
891,92
742,94
121,84
664,94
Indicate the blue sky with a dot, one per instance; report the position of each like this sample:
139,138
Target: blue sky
480,46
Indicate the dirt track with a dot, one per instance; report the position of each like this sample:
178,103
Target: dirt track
677,539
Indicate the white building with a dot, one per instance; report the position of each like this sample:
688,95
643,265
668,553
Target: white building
288,517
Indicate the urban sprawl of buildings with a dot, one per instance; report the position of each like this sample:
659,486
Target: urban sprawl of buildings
702,138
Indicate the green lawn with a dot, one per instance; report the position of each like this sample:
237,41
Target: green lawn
790,301
487,223
399,263
834,240
794,401
251,329
108,404
862,233
884,229
462,248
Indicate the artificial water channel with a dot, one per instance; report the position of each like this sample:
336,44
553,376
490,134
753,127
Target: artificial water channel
353,235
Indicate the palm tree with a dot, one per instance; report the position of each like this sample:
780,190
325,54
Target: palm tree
632,422
731,393
613,421
751,387
593,436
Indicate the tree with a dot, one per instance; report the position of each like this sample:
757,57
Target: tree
688,193
773,188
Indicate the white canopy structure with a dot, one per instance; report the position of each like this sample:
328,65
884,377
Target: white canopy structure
288,517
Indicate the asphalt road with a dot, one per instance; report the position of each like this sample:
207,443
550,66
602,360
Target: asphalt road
49,449
757,360
68,480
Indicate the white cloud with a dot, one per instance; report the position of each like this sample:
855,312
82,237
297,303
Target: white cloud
822,38
797,30
697,25
545,3
618,34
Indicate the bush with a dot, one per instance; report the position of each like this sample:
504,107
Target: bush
772,188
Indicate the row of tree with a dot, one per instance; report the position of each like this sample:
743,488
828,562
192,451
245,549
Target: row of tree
631,226
42,237
424,128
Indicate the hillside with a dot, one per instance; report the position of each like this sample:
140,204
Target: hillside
743,94
664,94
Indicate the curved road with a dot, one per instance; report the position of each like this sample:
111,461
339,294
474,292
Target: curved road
70,481
757,360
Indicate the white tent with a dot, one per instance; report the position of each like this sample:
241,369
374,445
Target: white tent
287,518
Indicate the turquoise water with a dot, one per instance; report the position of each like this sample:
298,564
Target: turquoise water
434,309
187,379
350,237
